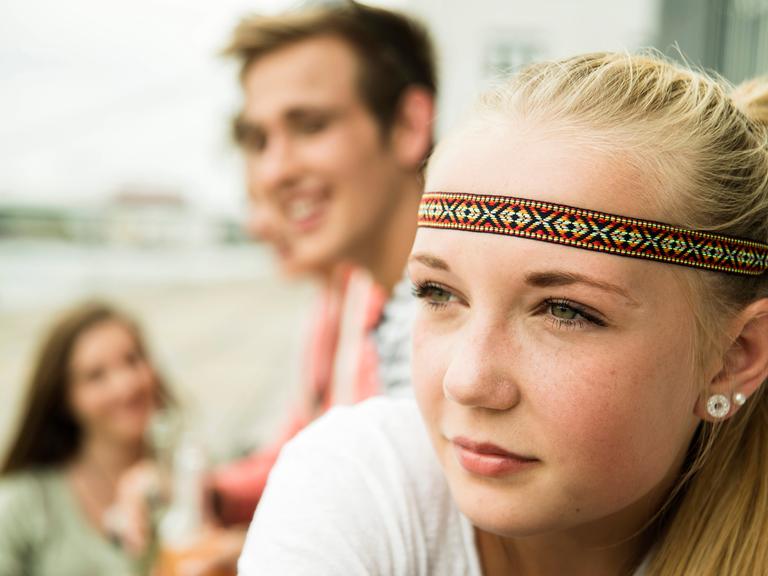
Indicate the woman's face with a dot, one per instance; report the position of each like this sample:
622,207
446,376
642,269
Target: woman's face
112,387
556,383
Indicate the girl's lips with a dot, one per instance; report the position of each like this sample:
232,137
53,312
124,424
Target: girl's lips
485,459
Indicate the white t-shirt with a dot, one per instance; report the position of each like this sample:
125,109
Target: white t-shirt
360,492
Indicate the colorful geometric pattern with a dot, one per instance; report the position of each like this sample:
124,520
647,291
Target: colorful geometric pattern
592,230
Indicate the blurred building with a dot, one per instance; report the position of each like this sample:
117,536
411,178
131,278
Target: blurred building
728,36
138,217
153,217
25,220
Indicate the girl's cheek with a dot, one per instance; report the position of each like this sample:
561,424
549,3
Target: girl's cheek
428,366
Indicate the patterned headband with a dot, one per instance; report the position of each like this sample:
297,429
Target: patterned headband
592,231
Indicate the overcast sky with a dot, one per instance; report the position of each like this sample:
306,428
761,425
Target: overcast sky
97,95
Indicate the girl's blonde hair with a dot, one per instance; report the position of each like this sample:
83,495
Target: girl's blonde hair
704,148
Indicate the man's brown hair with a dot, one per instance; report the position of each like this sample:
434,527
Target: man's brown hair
394,51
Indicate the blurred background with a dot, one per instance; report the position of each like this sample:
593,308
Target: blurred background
118,179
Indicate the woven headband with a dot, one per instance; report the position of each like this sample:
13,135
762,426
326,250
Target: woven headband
592,231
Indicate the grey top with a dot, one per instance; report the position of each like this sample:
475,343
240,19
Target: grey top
43,531
393,340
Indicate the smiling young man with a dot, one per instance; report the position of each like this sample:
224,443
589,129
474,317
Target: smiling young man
336,123
335,127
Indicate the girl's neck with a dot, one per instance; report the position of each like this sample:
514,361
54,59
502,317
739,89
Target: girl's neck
613,545
95,472
562,554
107,458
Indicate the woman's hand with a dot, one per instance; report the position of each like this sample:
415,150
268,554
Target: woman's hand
129,519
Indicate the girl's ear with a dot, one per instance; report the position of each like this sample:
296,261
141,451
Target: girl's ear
745,364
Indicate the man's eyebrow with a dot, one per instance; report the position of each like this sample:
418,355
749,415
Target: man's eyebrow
430,261
550,278
294,112
311,113
307,110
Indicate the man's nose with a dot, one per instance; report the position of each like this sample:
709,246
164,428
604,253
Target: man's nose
276,167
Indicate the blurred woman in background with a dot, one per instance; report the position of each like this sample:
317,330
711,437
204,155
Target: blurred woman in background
83,431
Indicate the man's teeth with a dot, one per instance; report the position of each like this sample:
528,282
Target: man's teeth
301,209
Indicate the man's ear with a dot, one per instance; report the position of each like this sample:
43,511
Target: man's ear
745,363
411,132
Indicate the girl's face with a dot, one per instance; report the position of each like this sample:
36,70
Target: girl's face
556,383
112,386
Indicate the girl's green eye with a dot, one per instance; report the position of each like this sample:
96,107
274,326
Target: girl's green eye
438,295
563,312
433,295
566,314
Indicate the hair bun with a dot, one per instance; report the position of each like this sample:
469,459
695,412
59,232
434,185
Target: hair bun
751,97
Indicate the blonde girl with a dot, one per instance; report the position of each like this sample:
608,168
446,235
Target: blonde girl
590,357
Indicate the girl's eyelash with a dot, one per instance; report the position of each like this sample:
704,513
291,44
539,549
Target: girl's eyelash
425,291
586,316
421,290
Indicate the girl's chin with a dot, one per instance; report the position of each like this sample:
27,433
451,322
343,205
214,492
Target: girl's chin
132,432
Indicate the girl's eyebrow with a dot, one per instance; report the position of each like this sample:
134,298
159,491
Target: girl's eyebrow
430,261
548,278
543,279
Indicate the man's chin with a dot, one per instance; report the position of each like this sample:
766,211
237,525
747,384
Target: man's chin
294,269
311,255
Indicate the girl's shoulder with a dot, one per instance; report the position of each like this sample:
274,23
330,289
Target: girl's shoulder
395,417
359,491
25,489
26,504
379,433
27,498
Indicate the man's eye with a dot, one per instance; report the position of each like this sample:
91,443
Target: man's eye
311,125
253,141
248,136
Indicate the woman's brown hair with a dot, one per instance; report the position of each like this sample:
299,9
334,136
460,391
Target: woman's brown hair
49,434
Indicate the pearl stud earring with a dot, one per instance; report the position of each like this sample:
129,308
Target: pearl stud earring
718,406
739,398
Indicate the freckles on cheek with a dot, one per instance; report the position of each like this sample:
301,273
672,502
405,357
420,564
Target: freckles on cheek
422,362
594,418
428,366
609,442
593,458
